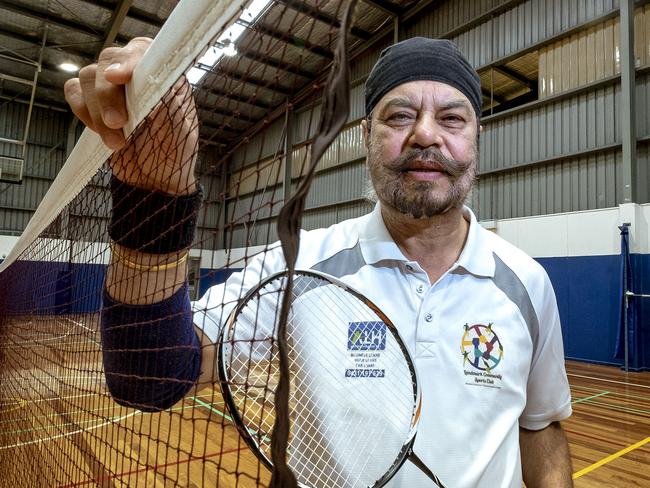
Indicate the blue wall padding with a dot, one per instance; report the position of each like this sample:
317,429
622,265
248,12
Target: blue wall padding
587,290
641,310
51,287
209,277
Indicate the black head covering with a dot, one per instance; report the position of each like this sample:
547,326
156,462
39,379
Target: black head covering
420,58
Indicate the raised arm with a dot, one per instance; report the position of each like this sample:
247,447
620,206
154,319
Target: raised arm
151,351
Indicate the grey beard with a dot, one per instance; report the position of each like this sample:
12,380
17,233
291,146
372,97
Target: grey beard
417,201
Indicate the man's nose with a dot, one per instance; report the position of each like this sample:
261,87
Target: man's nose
427,132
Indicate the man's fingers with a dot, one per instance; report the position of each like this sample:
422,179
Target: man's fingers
75,98
117,64
96,102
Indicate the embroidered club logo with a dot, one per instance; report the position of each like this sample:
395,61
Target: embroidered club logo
481,347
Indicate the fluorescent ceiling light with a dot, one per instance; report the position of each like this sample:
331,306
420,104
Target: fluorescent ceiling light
226,42
69,67
194,75
251,13
229,49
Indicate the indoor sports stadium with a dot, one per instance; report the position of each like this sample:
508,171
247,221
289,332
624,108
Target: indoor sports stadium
325,244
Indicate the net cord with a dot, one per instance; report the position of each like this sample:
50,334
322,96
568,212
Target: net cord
183,38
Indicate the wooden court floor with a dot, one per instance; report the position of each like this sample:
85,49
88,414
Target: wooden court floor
609,431
81,438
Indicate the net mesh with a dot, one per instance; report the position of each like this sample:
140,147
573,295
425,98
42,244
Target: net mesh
60,426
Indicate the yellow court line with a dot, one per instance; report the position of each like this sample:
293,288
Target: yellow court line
616,455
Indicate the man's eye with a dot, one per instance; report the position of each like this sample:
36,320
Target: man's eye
453,119
400,117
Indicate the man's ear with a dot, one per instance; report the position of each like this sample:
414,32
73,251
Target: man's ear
365,130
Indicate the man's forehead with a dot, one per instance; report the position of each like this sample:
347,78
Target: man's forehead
418,93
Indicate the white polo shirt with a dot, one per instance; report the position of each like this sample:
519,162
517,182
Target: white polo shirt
485,338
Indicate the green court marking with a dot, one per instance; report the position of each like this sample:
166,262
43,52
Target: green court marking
621,408
612,393
117,418
209,407
227,417
580,400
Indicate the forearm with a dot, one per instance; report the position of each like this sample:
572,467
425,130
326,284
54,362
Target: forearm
135,277
151,352
545,457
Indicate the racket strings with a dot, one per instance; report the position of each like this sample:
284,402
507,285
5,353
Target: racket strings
346,431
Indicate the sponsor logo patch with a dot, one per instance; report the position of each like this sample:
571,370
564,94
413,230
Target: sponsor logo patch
366,341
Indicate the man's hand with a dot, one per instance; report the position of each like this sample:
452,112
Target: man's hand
545,457
162,152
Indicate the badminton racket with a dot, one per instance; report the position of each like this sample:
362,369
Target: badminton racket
355,401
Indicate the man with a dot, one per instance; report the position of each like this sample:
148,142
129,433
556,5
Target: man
478,315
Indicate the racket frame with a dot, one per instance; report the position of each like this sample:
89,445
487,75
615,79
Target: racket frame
224,379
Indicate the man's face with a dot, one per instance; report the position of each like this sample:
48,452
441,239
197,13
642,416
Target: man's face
422,148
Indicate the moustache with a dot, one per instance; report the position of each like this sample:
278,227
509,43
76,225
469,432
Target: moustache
431,157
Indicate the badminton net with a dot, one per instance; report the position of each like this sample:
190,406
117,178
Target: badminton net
244,71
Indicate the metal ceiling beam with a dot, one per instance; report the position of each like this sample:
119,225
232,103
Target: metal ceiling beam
291,39
16,79
276,87
117,19
35,40
52,19
388,8
318,14
491,96
514,76
39,102
134,13
229,114
231,96
49,17
274,63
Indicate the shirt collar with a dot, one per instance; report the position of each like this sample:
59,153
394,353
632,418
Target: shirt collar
476,256
377,244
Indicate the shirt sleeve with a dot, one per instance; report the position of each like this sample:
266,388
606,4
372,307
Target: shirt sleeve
548,397
212,310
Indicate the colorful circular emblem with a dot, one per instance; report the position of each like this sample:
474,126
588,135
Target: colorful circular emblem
481,347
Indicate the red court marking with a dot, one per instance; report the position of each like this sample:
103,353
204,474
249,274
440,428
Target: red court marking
148,468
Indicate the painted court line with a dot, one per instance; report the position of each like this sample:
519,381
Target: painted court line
580,400
614,456
625,383
67,434
149,468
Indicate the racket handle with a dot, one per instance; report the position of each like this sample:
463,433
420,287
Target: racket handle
423,467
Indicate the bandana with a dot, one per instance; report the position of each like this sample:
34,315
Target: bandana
420,58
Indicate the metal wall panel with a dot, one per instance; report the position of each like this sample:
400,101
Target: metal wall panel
47,127
586,121
259,234
24,196
517,28
324,217
643,104
357,102
643,172
254,206
584,183
346,183
13,222
264,145
439,20
305,123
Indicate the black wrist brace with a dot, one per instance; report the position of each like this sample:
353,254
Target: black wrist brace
151,221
